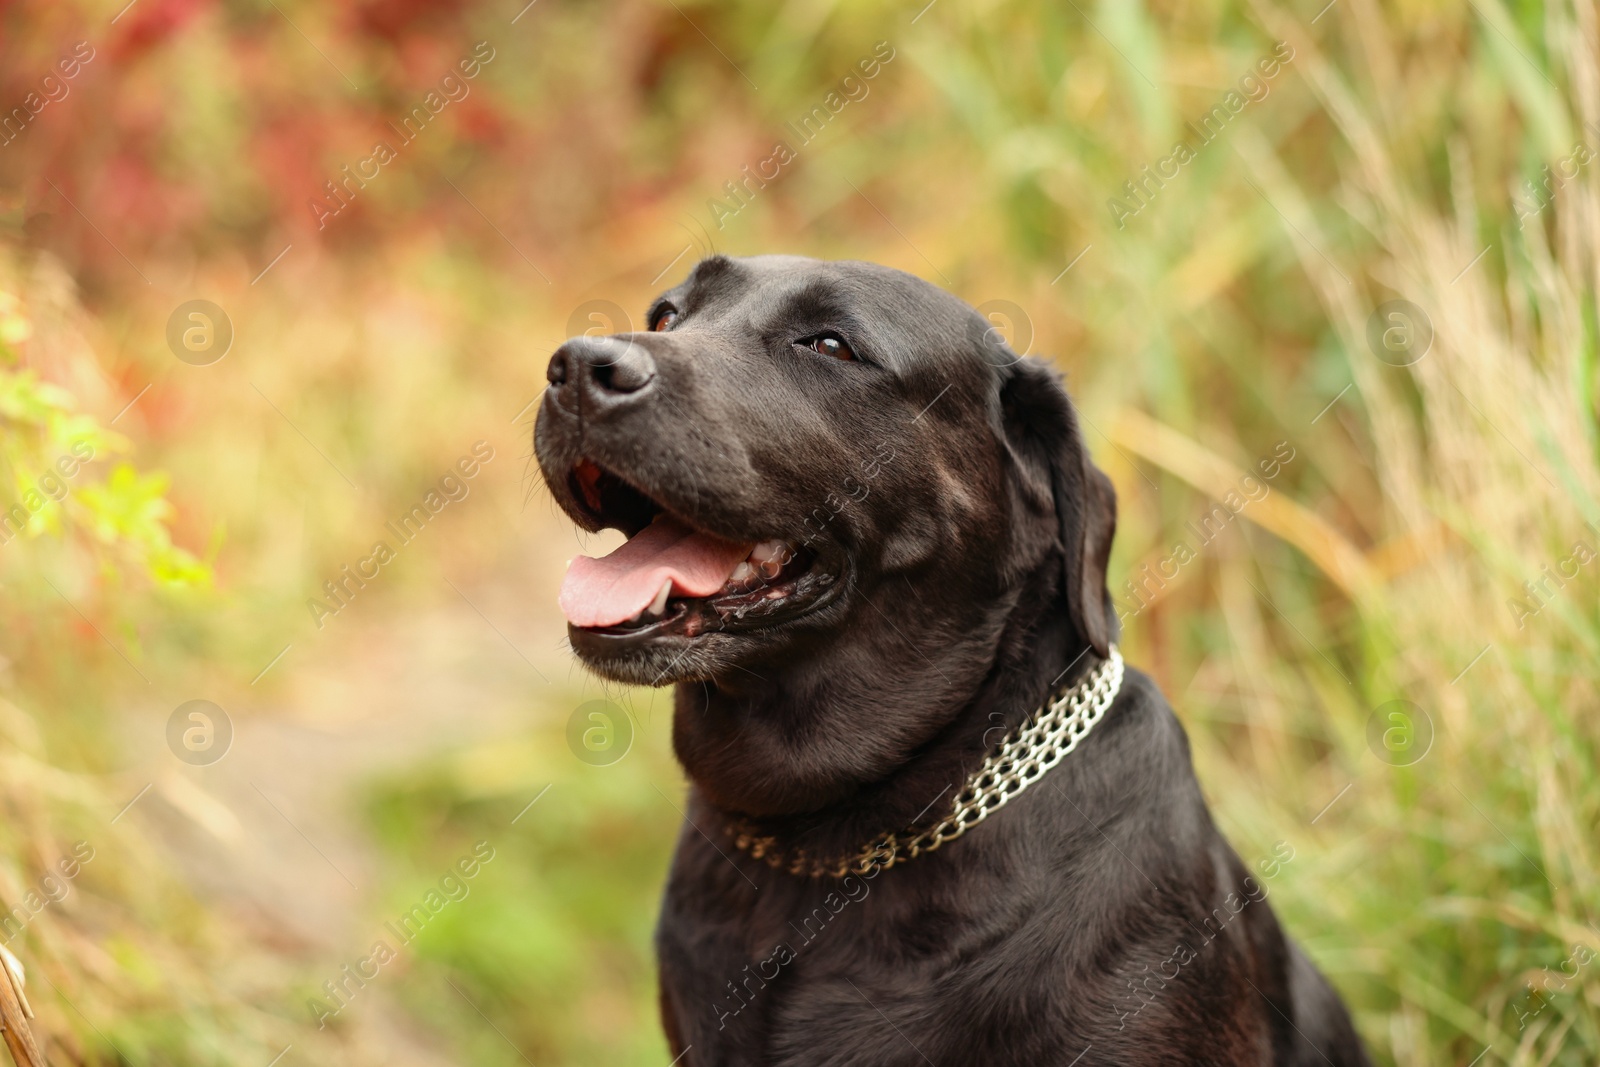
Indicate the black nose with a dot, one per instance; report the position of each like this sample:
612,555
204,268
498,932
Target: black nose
606,370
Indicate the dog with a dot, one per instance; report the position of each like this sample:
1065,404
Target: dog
868,547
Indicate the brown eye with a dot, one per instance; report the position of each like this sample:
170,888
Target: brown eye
664,319
830,344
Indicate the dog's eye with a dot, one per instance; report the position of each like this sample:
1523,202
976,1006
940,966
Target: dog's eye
829,344
665,318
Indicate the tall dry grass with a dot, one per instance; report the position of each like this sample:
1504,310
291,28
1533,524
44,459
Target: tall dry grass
1454,899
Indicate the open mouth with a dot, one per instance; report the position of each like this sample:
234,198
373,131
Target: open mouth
673,579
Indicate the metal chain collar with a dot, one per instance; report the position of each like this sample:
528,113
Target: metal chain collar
1022,759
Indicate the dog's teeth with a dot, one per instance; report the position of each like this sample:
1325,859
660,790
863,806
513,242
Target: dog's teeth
768,550
742,573
659,604
770,556
776,594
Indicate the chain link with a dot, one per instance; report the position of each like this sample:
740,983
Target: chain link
1022,759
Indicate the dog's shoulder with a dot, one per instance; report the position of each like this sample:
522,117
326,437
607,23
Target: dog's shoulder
1139,754
1124,810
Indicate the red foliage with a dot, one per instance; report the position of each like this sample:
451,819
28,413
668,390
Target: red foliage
396,20
149,23
124,146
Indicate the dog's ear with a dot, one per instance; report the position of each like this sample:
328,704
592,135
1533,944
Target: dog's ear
1041,429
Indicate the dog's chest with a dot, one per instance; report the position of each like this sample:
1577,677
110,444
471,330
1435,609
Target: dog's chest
858,972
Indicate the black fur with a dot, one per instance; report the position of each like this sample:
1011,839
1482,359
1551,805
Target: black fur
960,535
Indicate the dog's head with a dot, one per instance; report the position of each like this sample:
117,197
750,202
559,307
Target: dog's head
804,453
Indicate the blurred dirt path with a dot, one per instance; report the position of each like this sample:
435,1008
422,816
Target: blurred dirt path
272,834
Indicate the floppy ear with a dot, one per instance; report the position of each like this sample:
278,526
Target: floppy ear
1041,429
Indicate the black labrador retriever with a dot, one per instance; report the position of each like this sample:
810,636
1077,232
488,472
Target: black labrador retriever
931,821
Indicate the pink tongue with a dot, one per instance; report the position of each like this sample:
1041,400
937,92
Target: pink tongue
615,588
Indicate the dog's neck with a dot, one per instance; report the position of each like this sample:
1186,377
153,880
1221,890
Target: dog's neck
828,757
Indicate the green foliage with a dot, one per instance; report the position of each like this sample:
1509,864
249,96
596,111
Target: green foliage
45,442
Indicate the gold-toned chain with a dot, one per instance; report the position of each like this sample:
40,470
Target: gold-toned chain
1022,759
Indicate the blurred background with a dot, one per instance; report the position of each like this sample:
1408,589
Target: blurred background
275,273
